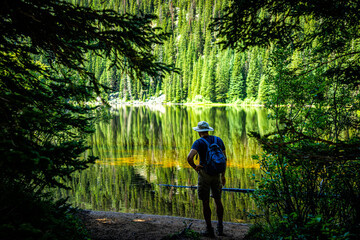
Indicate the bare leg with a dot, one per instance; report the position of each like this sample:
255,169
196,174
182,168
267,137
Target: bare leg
219,211
207,212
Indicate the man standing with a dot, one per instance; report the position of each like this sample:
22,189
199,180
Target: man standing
205,180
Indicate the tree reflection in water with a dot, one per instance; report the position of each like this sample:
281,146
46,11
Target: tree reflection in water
141,147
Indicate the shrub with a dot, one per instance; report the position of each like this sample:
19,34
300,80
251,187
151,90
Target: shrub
27,215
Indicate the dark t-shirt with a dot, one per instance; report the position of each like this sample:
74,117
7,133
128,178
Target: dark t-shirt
201,147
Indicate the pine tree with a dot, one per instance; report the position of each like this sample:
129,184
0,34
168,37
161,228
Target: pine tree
209,77
237,82
223,76
206,65
265,87
253,76
194,81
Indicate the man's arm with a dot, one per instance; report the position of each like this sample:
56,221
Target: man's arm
190,159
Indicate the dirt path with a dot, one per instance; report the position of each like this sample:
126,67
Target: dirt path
112,225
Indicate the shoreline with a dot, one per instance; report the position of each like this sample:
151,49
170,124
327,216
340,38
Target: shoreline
185,104
115,102
116,225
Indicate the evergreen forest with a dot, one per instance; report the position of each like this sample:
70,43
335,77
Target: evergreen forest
207,73
299,59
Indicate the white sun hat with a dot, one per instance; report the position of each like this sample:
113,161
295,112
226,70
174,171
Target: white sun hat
203,127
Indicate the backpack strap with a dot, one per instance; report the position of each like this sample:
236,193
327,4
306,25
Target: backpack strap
207,143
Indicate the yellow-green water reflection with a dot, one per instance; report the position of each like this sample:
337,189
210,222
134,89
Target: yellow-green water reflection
141,147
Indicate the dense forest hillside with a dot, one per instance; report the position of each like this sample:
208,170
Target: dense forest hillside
206,72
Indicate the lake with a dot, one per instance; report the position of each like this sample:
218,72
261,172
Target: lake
140,147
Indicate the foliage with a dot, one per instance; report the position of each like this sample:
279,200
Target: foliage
44,115
287,228
45,85
26,215
310,169
306,197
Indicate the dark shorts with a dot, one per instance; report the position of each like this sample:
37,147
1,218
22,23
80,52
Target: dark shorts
206,183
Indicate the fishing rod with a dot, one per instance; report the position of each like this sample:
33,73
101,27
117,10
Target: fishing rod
224,189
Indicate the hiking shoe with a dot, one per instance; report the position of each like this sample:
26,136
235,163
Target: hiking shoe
220,230
209,232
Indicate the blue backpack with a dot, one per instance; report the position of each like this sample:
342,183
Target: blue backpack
215,158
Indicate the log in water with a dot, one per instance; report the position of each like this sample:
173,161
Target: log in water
224,189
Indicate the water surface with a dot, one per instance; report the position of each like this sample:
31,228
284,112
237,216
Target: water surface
142,147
